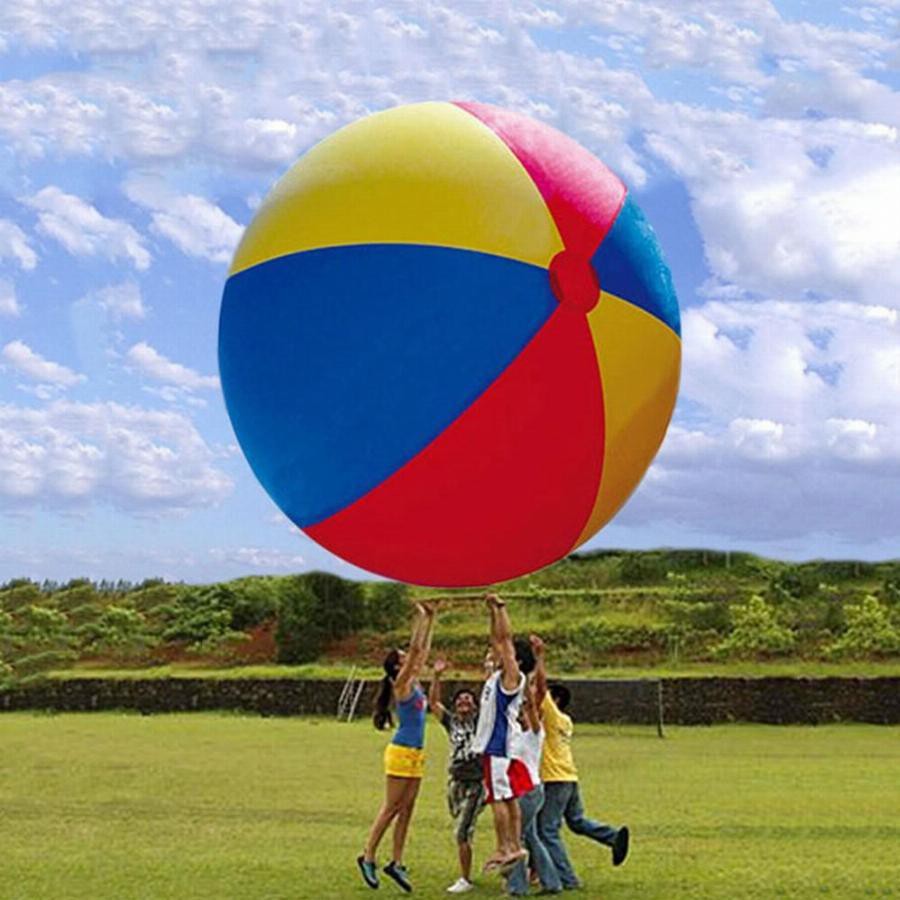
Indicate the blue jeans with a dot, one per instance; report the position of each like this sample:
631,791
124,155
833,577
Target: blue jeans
530,805
562,800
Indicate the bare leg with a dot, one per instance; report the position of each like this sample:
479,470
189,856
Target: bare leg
401,825
465,860
501,826
393,799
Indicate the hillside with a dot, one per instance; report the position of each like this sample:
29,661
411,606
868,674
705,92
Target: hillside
606,610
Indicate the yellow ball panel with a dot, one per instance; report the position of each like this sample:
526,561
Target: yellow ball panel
640,364
428,173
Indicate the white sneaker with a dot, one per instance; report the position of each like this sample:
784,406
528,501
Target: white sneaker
461,886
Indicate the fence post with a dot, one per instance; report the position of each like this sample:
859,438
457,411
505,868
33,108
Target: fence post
659,708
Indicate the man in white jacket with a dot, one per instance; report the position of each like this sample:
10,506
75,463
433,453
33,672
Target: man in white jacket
505,777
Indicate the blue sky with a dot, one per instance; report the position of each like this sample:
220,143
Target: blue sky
761,140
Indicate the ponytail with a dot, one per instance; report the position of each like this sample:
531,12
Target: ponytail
381,716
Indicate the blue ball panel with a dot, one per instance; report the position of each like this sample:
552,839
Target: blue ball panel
339,365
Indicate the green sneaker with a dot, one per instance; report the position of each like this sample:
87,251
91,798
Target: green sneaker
369,871
398,873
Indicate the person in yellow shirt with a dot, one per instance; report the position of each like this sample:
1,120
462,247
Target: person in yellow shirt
562,799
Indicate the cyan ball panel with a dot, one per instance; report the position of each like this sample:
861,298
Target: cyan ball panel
630,264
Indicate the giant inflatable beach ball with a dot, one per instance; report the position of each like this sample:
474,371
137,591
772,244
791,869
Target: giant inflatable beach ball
449,344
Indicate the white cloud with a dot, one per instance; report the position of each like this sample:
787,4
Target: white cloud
122,301
32,365
840,479
795,362
797,408
48,116
196,226
74,455
229,85
79,114
186,93
763,439
14,245
9,302
257,558
789,208
84,231
151,363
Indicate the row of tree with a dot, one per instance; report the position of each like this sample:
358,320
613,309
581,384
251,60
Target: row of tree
45,627
772,609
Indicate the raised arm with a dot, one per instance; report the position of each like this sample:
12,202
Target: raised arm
540,671
531,708
434,692
419,648
502,641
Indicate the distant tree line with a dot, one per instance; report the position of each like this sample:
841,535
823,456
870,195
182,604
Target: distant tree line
50,625
596,607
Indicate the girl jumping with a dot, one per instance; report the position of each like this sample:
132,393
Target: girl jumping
404,756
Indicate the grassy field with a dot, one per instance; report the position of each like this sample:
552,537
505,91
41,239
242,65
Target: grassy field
736,669
217,806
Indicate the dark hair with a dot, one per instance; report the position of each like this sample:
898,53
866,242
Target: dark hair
561,695
524,655
458,693
381,716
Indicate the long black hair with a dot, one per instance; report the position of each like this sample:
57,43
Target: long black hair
381,715
561,695
524,655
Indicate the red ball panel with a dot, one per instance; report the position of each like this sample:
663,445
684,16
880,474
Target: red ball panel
505,489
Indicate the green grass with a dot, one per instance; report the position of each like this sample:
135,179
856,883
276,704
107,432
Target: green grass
310,671
792,668
215,806
748,669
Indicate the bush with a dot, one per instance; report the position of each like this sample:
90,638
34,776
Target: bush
316,608
200,616
117,628
756,632
157,602
33,639
387,605
79,594
340,608
597,637
254,601
19,593
830,570
823,611
890,592
642,568
869,632
793,583
297,635
690,616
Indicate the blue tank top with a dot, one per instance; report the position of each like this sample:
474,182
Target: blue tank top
411,714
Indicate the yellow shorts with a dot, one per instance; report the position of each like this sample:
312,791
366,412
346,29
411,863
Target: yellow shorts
404,762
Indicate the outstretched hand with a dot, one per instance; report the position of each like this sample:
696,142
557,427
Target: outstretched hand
440,666
493,600
537,645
